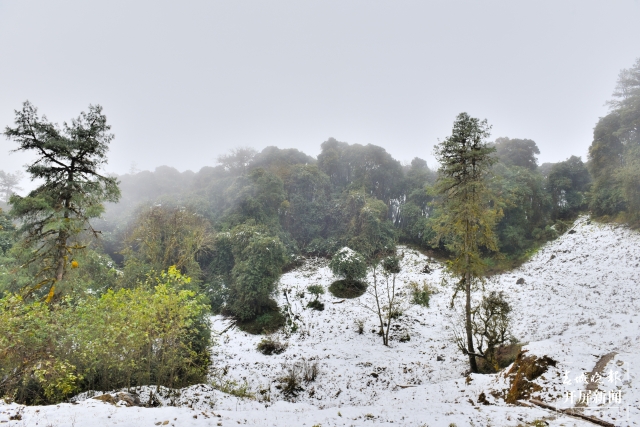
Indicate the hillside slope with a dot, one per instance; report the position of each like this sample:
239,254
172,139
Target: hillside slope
578,304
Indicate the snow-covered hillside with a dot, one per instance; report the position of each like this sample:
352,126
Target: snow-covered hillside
578,305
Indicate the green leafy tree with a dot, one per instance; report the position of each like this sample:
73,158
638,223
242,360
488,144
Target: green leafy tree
412,214
257,258
568,183
467,220
349,265
361,223
304,214
517,152
356,166
280,161
164,236
526,206
54,215
606,158
615,151
256,197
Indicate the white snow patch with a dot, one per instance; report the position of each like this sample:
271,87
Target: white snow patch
578,303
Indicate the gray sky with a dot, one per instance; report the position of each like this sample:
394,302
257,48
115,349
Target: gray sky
182,82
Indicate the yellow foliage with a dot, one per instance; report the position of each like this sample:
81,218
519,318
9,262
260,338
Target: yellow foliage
51,293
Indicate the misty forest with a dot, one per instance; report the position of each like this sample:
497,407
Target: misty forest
338,282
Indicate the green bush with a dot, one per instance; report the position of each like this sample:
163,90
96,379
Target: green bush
420,295
316,305
258,261
125,338
270,345
268,322
347,289
348,264
316,290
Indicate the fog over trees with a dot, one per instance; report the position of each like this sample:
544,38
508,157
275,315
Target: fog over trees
163,249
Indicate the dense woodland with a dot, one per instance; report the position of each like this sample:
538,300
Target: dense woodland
155,252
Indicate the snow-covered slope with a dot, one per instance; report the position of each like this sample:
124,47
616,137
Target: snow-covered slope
577,304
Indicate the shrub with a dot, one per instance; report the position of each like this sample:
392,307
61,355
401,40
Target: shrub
347,289
149,335
544,234
248,261
270,345
560,226
254,276
310,370
229,386
316,305
360,326
395,313
270,321
391,265
348,264
491,327
290,383
316,290
420,295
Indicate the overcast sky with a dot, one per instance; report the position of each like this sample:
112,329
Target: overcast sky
182,82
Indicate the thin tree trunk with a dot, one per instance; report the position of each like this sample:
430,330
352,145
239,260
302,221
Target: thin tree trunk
377,297
467,309
391,298
64,234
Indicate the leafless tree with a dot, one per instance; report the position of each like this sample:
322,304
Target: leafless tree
387,302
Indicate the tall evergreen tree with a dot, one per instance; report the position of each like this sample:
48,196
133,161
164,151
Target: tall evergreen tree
467,219
58,211
615,151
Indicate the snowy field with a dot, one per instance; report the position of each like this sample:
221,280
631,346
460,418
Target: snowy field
578,305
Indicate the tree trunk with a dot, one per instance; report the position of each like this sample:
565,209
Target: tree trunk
467,309
64,234
391,296
377,298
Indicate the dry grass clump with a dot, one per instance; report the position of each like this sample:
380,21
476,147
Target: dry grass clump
271,345
522,374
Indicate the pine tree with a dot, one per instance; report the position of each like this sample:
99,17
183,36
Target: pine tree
467,219
58,211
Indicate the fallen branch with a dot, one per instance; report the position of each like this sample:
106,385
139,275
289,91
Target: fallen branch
338,302
572,414
231,325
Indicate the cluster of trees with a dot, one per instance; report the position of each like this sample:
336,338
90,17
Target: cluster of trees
614,155
221,237
352,195
235,226
68,321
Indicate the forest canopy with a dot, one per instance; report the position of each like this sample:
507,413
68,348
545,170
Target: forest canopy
164,249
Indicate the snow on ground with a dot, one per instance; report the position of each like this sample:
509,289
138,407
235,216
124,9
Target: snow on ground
577,304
